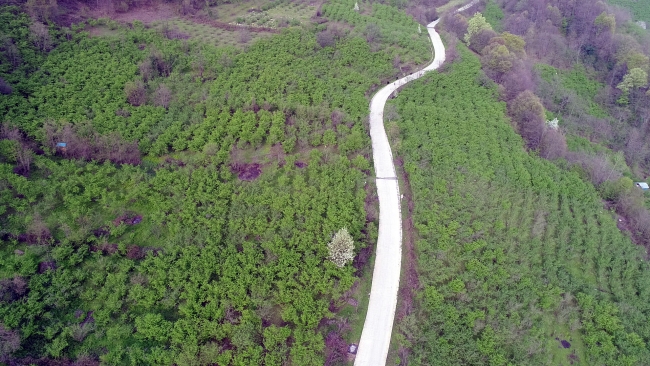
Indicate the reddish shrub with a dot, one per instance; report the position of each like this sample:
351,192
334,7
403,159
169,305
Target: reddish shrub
553,145
247,172
325,38
5,88
335,349
12,289
128,219
337,117
528,114
482,39
46,266
135,92
456,24
362,258
9,342
135,252
85,360
102,231
162,96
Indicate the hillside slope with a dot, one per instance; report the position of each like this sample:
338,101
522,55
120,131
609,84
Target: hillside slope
518,261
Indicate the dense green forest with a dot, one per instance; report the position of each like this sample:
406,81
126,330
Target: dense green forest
165,201
187,218
518,261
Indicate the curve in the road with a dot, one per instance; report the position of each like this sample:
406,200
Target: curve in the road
378,326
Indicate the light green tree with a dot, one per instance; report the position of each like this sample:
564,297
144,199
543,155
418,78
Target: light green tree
341,248
497,58
635,78
605,21
475,25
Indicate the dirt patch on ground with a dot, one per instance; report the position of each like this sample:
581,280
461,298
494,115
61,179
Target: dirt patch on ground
102,231
247,172
46,266
411,281
229,27
105,248
33,238
621,224
128,219
625,226
407,291
145,14
371,203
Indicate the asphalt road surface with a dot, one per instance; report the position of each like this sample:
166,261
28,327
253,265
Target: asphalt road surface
378,326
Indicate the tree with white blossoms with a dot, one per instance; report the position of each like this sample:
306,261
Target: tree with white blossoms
341,248
356,6
419,30
554,124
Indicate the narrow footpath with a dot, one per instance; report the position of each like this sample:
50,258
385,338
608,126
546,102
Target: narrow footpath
378,326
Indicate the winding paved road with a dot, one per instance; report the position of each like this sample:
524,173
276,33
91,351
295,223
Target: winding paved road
378,326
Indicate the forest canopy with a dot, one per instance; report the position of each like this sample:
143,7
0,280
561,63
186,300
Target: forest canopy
169,202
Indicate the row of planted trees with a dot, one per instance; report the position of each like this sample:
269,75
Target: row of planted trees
585,107
187,218
515,255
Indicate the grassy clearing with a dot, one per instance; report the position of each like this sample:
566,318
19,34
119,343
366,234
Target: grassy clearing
639,8
578,81
451,5
263,13
207,34
560,355
102,31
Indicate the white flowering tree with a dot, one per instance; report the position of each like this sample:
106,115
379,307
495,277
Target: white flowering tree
554,124
356,6
341,248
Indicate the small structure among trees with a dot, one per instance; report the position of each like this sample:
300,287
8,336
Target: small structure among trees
341,248
643,185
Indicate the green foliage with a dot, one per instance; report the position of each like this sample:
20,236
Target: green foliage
635,78
578,81
193,217
493,15
475,25
575,79
399,32
606,21
613,190
513,251
290,70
